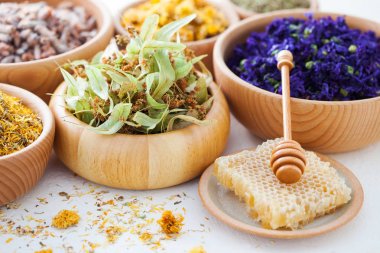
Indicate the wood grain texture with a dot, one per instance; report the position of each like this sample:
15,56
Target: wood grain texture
243,13
140,161
317,125
354,206
21,170
201,47
43,76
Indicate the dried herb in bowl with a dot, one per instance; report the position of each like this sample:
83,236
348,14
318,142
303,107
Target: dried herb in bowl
333,61
19,125
34,31
150,85
208,23
262,6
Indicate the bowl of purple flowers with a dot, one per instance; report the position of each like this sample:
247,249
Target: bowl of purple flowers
335,84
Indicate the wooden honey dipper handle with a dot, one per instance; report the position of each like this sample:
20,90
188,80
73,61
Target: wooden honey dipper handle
285,64
288,159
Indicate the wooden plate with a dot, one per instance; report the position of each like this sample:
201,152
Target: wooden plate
225,206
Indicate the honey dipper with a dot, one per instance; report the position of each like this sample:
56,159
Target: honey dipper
288,159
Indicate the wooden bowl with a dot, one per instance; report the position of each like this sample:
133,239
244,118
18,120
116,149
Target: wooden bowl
318,125
43,76
200,47
140,162
21,170
244,13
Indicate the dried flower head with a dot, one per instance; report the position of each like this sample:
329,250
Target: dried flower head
113,233
44,251
198,249
65,219
169,223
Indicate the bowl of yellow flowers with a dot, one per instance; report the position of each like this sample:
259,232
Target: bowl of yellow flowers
26,141
143,114
213,18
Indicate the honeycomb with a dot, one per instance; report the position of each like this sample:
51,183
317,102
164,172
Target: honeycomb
276,205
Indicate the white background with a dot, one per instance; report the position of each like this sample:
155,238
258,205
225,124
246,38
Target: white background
361,235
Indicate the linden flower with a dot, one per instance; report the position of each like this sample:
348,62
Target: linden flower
169,223
65,219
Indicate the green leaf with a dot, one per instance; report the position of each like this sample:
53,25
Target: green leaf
149,27
171,46
97,58
122,78
82,86
184,68
69,79
166,74
167,31
72,93
78,63
150,80
185,118
146,121
201,95
116,120
83,107
97,81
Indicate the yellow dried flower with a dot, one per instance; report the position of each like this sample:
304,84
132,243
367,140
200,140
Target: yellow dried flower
169,223
44,251
19,125
145,237
209,22
65,219
198,249
113,233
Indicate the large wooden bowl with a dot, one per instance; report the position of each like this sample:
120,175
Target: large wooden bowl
317,125
200,47
21,170
244,13
140,161
43,76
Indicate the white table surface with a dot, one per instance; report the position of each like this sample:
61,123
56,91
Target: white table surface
361,235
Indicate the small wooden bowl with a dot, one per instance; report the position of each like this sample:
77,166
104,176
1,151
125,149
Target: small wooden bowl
323,126
21,170
244,13
200,47
43,76
140,162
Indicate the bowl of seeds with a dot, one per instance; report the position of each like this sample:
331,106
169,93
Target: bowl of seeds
213,18
335,82
248,8
38,36
26,140
154,109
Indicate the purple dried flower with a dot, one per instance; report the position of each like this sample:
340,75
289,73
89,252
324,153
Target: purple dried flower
332,61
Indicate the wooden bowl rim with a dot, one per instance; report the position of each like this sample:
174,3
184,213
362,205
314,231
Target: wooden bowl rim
314,6
223,6
106,19
61,112
220,63
41,109
351,213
